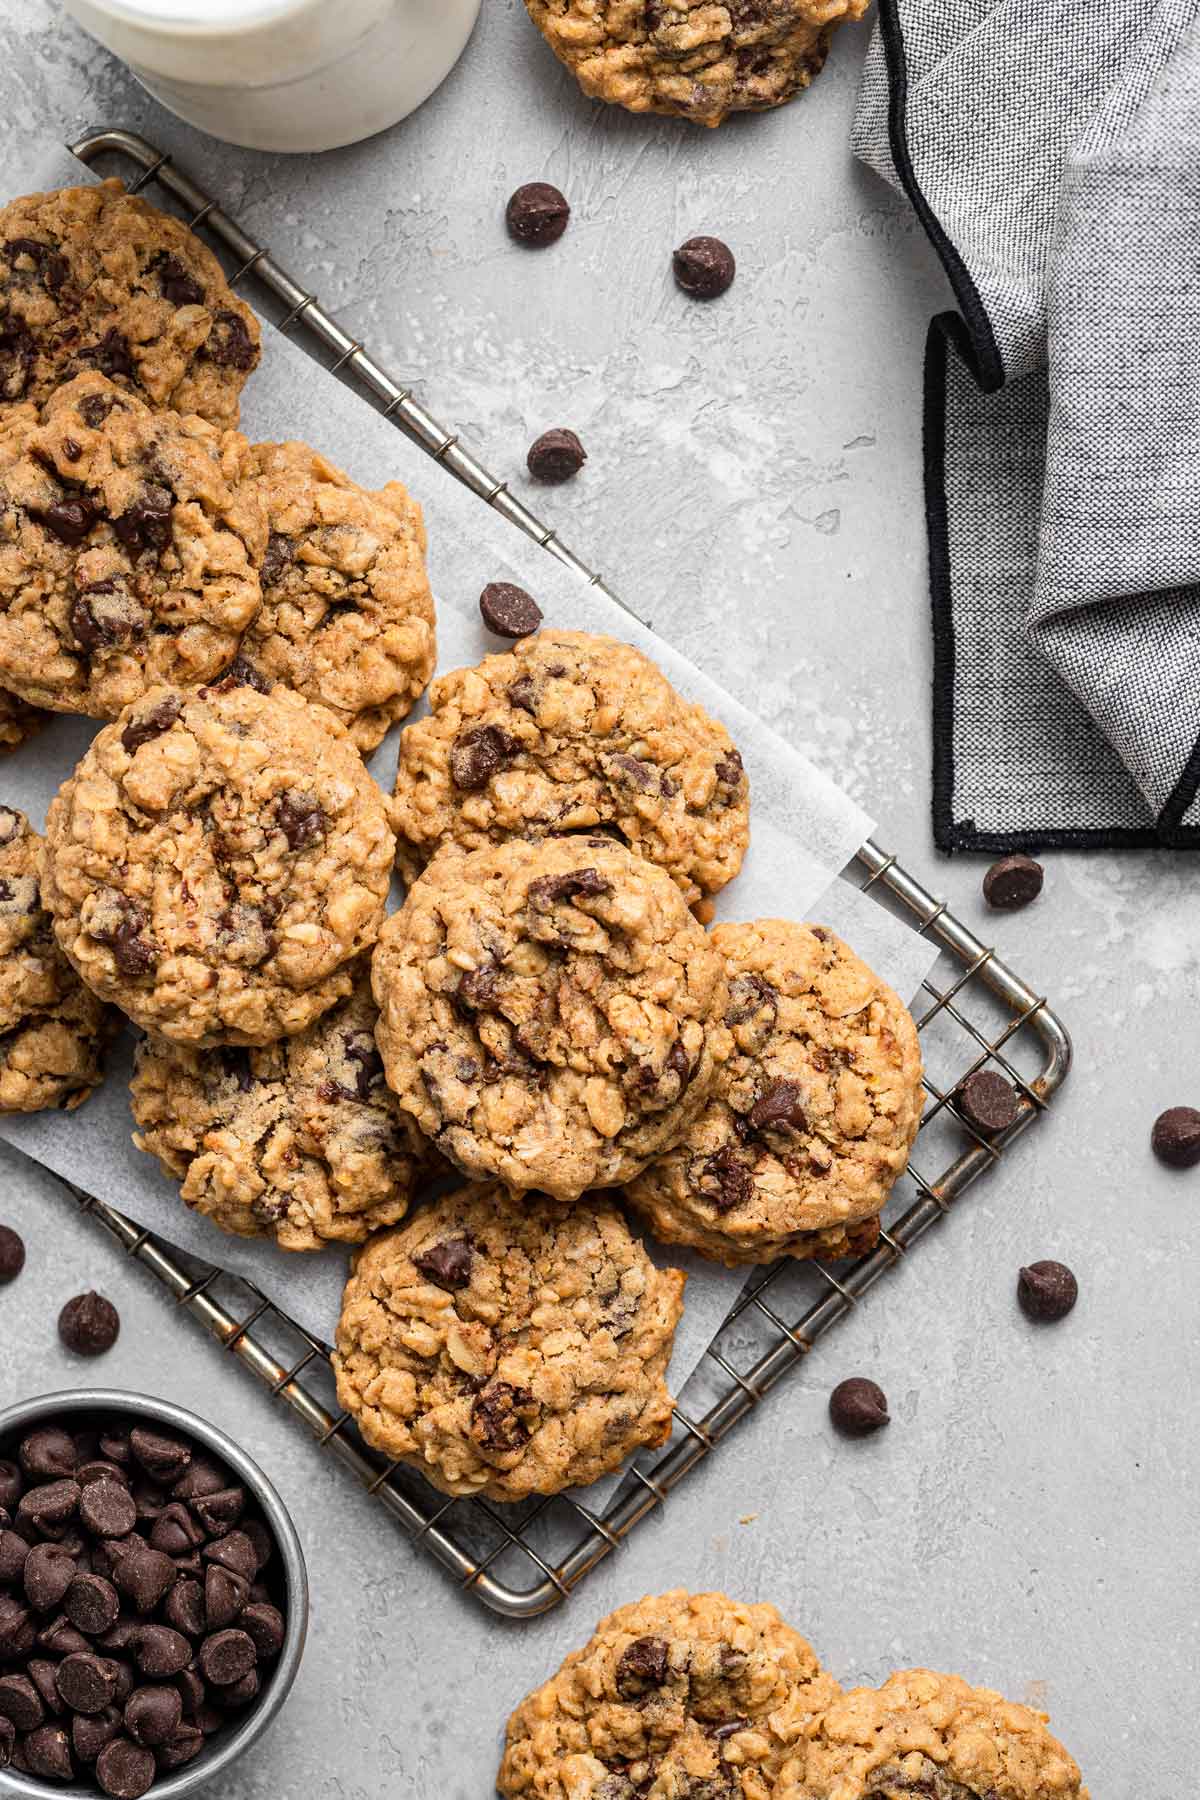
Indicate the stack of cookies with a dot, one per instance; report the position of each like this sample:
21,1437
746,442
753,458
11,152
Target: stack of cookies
546,1034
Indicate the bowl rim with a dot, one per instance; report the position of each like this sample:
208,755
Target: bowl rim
225,1749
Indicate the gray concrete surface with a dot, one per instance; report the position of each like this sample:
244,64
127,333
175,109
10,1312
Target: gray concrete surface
1029,1518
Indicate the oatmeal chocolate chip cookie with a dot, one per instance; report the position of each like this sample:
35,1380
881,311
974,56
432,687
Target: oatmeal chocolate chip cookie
18,720
934,1736
216,863
301,1141
128,548
549,1012
809,1121
347,615
699,59
679,1695
506,1345
569,732
92,278
53,1031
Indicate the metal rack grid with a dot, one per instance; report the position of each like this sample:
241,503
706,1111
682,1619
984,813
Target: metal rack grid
975,1012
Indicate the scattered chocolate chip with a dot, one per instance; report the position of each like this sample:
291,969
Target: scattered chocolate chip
555,456
125,1770
86,1681
226,1656
1175,1139
858,1406
229,344
48,1753
107,1509
478,754
68,520
48,1573
537,214
548,890
48,1454
145,1576
21,1702
301,820
91,1731
263,1624
89,1324
495,1416
153,1714
1047,1291
177,286
152,724
704,267
448,1264
643,1664
988,1102
92,1604
778,1108
1012,882
508,610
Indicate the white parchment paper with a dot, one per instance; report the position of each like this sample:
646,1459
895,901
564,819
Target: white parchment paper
804,828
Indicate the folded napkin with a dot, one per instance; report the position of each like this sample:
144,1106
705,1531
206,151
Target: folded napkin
1051,149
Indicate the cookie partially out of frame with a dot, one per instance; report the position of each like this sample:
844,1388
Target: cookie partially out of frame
699,59
678,1694
217,864
506,1345
92,278
809,1121
569,731
347,615
18,721
930,1735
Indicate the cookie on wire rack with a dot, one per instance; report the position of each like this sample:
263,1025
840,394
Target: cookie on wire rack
810,1118
506,1345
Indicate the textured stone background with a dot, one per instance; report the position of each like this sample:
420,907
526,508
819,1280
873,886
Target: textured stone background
753,488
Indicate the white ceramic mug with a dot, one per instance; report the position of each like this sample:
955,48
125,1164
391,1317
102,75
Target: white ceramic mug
285,74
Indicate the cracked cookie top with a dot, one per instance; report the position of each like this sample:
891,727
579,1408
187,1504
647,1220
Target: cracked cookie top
933,1736
691,1696
301,1141
129,541
549,1012
811,1118
53,1031
567,732
700,59
347,615
92,278
216,863
508,1346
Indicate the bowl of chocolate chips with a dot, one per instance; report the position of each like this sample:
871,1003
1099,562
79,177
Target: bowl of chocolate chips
153,1598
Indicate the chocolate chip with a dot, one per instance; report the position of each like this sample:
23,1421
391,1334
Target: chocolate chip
41,1672
643,1664
225,1593
48,1573
49,1504
151,724
153,1714
86,1681
177,286
145,1576
479,754
260,1540
17,1629
175,1530
48,1454
13,1554
49,263
91,1731
522,693
149,1500
495,1418
778,1108
186,1744
988,1102
146,526
101,1469
107,1509
48,1753
1175,1139
229,344
263,1623
537,214
122,926
750,995
91,1604
21,1702
555,456
226,1656
11,1485
161,1651
219,1512
184,1608
1047,1291
508,610
60,1638
89,1324
201,1477
241,673
301,820
12,1254
633,772
68,520
858,1406
192,1690
110,355
547,890
125,1770
13,824
1012,882
239,1693
277,559
95,408
235,1552
163,1456
448,1264
704,267
730,771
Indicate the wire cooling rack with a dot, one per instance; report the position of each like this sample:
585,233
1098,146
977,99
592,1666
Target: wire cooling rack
974,1012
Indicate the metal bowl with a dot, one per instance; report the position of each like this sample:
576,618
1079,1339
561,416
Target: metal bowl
223,1750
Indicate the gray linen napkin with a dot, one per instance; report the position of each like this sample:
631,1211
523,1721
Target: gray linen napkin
1051,149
